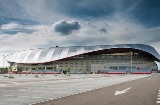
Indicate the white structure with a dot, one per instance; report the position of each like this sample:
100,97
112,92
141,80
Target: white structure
88,58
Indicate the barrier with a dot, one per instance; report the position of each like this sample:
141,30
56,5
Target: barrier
134,71
51,72
116,71
142,71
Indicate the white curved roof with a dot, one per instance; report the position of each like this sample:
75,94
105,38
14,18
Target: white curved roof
57,53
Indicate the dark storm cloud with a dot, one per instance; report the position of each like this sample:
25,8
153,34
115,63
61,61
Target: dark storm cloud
11,11
66,27
146,12
152,35
103,30
84,8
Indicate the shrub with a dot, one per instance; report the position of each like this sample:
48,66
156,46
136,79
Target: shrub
68,75
10,76
36,76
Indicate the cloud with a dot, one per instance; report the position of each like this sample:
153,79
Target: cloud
4,20
103,30
84,8
66,27
46,10
14,27
10,26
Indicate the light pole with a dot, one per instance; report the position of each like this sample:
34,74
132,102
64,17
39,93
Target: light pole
3,60
4,56
131,60
41,66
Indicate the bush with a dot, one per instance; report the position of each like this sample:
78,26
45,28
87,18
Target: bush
10,76
36,76
5,76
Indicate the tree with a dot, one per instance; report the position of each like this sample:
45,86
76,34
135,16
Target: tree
5,70
69,70
1,71
36,71
55,69
37,68
20,69
43,69
87,70
80,70
27,68
10,68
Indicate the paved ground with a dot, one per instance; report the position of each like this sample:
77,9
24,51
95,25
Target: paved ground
139,92
24,90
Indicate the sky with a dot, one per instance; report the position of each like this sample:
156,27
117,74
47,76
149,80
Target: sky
29,24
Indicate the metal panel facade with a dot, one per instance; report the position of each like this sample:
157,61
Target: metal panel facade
57,53
42,56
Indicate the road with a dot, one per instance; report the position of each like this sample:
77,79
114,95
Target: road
144,91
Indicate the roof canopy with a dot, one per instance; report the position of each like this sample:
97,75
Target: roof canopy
57,53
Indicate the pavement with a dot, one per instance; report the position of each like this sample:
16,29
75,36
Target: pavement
83,89
145,91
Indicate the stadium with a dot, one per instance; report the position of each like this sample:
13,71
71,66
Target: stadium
110,59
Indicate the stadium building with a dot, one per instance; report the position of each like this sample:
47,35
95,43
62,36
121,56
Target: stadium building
111,59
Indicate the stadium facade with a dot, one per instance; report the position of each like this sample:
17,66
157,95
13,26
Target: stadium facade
112,59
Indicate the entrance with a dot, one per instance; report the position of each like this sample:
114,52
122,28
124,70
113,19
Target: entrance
128,72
